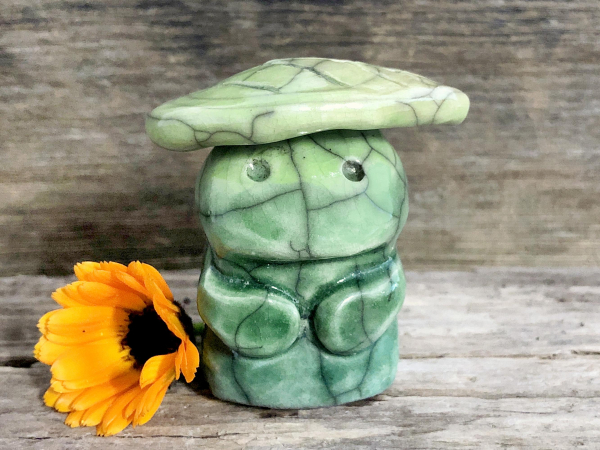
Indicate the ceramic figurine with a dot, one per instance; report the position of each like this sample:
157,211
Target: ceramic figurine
302,200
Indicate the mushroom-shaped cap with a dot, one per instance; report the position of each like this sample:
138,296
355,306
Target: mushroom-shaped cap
286,98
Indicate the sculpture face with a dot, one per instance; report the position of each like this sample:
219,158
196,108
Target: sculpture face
325,195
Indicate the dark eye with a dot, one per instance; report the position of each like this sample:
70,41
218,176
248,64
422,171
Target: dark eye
258,170
353,170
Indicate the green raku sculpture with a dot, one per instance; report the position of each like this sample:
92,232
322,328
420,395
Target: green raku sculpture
302,201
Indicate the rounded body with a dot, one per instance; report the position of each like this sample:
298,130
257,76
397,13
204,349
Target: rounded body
301,283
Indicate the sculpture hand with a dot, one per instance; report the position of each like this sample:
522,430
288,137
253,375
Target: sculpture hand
252,319
357,314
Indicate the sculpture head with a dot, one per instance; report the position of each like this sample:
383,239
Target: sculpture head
325,195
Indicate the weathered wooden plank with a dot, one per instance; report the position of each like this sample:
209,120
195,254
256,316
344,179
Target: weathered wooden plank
515,185
508,312
474,375
448,418
488,312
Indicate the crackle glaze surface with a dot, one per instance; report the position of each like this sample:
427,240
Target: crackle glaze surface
286,98
302,201
301,284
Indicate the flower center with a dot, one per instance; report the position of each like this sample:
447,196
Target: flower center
148,335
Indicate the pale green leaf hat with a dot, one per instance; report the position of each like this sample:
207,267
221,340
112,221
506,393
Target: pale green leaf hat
286,98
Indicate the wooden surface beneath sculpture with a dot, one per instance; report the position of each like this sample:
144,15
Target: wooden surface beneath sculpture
492,358
516,184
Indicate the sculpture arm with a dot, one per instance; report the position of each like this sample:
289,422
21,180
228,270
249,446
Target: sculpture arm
252,319
356,315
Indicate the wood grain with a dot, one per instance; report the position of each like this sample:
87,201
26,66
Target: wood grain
491,358
516,184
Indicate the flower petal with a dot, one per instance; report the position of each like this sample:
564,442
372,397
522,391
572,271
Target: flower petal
152,398
93,293
132,282
136,270
167,310
93,415
47,352
64,400
154,401
82,324
156,367
192,361
91,364
112,274
99,294
50,397
85,270
101,392
180,355
74,419
68,296
112,266
156,277
114,419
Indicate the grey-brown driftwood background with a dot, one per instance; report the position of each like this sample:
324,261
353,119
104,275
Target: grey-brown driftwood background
516,184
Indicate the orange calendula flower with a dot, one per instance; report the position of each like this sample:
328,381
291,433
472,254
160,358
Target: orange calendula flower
116,345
